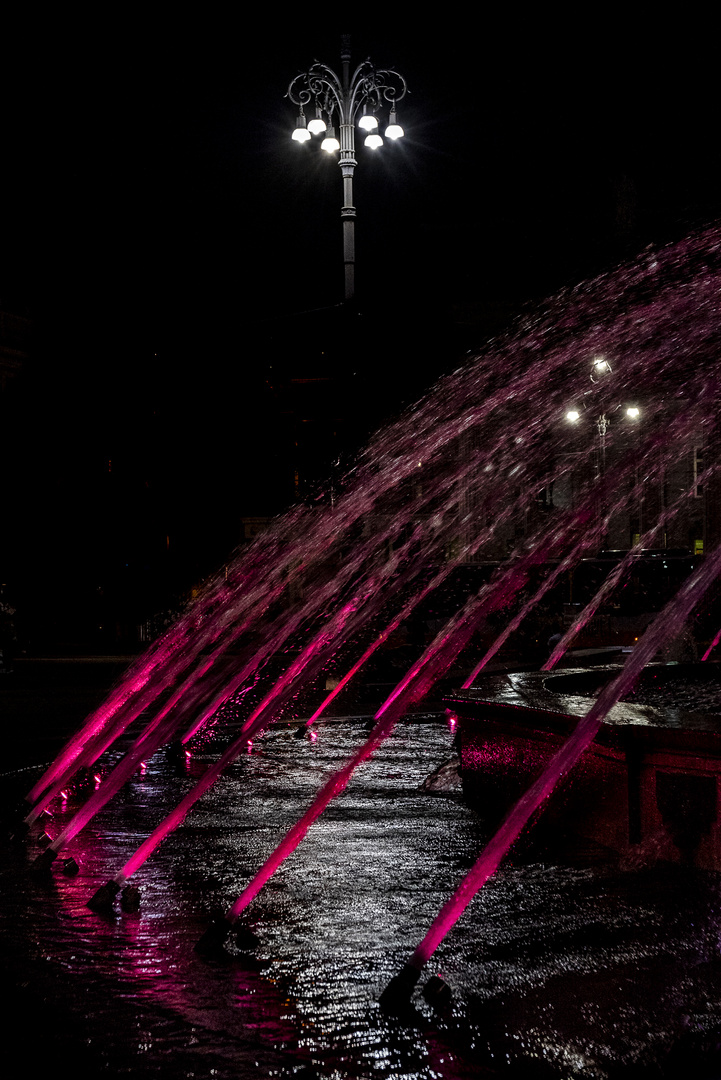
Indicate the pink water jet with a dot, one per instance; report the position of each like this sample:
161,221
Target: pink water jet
454,479
712,646
667,623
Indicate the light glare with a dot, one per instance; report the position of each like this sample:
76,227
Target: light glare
394,129
330,143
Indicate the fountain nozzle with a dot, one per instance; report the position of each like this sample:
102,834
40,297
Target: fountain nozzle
397,995
130,899
437,993
44,861
102,900
212,941
246,939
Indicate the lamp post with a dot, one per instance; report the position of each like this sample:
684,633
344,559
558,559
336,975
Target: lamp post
338,101
601,368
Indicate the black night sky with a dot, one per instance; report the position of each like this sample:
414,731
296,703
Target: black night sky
162,230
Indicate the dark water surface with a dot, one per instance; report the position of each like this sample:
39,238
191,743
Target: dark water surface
562,966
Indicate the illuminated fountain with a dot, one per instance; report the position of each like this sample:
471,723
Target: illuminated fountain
482,472
648,785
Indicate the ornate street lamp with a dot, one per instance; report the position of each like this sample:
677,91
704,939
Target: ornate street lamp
338,101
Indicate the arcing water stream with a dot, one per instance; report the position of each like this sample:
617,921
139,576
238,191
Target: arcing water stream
451,481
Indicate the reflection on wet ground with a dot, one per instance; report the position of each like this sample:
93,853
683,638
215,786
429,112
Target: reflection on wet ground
563,965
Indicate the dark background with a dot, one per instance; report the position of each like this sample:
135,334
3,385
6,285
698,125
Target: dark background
178,259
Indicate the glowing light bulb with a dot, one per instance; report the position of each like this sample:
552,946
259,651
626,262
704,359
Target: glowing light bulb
301,133
368,122
394,130
601,366
330,144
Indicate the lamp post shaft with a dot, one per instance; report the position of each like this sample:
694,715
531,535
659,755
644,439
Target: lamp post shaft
347,164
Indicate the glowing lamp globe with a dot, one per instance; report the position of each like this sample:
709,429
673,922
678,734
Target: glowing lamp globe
301,133
373,142
330,143
368,122
394,129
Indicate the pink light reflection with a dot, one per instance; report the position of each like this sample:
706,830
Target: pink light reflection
255,723
435,660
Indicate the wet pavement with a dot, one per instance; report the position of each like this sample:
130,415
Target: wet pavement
565,965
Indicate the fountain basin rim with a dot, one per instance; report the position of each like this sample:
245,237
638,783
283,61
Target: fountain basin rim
545,709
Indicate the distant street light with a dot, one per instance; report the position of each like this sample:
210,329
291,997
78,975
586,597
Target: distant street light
600,369
367,91
627,419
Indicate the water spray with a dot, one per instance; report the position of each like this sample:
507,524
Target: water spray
617,575
663,627
415,685
309,662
